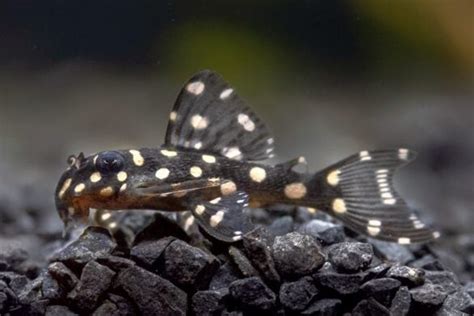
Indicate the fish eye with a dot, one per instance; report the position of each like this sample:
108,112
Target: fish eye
109,161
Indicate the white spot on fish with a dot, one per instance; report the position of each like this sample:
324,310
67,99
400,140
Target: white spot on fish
375,222
105,216
246,122
226,93
79,188
295,190
302,160
162,173
216,218
333,177
389,201
257,174
66,185
107,191
209,158
198,122
418,224
122,176
403,153
364,155
386,195
173,116
215,201
188,223
373,231
232,152
311,210
339,206
168,153
404,241
195,88
95,177
200,209
137,157
195,171
228,188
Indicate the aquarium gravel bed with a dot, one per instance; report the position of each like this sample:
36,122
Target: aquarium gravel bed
298,262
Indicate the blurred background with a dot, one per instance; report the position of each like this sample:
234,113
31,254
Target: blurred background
329,77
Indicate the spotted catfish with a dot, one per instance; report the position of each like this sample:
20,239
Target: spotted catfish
209,165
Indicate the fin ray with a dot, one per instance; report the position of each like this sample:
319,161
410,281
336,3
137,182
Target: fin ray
158,188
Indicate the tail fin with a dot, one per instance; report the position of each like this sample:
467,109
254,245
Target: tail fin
359,191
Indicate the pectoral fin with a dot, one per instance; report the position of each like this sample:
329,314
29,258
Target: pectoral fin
160,189
224,217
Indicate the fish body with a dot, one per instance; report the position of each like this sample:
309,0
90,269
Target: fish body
211,165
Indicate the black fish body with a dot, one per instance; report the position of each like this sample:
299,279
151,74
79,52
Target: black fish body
210,165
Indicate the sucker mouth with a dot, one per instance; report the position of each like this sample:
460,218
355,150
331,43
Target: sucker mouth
74,218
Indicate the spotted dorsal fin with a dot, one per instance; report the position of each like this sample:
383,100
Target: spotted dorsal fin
209,116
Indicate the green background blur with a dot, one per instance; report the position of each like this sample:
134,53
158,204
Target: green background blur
329,77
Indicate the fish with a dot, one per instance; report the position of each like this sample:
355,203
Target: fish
212,164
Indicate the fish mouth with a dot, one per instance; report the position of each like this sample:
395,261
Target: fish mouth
73,214
74,224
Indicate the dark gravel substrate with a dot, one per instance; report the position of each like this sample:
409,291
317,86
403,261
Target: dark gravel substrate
295,263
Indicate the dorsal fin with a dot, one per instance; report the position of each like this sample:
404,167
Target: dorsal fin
209,116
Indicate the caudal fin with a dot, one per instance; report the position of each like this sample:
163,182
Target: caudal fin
359,191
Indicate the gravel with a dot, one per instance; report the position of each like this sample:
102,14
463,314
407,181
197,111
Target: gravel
446,279
95,281
407,275
383,290
297,295
151,293
428,295
297,255
296,264
338,283
188,267
401,302
94,242
147,253
253,294
370,307
325,306
256,248
207,303
325,232
351,256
